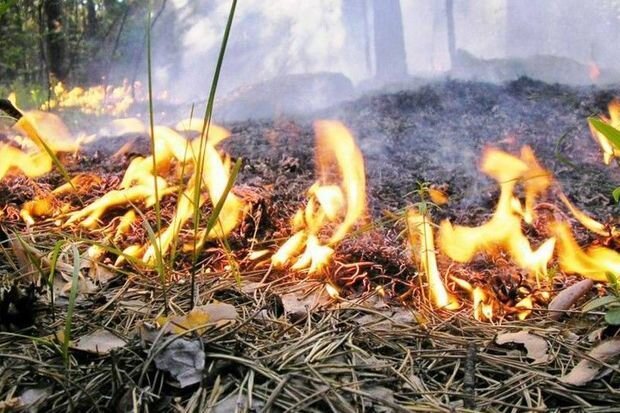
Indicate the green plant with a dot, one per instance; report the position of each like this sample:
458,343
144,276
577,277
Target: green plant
613,136
610,302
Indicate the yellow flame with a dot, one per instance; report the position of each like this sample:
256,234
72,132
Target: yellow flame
342,203
421,239
587,221
97,100
48,133
593,263
609,150
503,230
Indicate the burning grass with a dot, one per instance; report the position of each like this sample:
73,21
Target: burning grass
376,325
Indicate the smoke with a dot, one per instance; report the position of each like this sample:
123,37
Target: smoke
555,41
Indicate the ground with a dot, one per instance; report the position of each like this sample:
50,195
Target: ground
359,352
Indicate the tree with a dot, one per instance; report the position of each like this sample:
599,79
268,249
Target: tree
55,38
390,55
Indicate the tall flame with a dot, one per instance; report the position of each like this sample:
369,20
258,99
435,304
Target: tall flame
421,239
342,203
503,230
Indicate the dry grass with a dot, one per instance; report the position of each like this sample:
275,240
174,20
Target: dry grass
349,356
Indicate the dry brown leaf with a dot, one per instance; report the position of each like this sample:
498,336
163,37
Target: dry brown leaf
100,342
297,307
199,318
568,297
536,346
587,370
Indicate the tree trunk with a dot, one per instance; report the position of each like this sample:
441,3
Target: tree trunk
450,30
91,19
390,56
55,38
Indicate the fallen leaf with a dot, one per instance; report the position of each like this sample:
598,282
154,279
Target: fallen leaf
586,370
199,318
184,360
30,398
298,307
568,297
536,346
100,342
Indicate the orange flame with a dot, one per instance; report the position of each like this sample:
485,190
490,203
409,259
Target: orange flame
342,204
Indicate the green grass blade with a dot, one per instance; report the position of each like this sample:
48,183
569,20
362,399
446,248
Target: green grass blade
611,133
75,278
50,279
203,142
149,64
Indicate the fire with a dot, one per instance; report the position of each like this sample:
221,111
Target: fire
96,100
422,239
609,150
341,204
145,182
503,231
593,263
594,72
45,134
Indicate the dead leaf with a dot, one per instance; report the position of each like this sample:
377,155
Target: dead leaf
587,370
536,346
213,314
30,398
184,360
100,342
298,307
568,297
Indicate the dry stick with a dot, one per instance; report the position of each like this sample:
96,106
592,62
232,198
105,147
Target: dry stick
469,378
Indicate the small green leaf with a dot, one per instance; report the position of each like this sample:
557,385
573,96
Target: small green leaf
611,133
613,316
600,302
616,194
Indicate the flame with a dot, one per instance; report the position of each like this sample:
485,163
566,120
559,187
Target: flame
341,204
483,304
145,181
609,150
503,230
594,72
96,100
587,221
421,239
526,305
46,134
593,263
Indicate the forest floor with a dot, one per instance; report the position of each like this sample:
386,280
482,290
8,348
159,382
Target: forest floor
292,347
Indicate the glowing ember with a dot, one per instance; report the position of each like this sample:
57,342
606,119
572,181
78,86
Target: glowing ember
341,204
421,239
609,150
